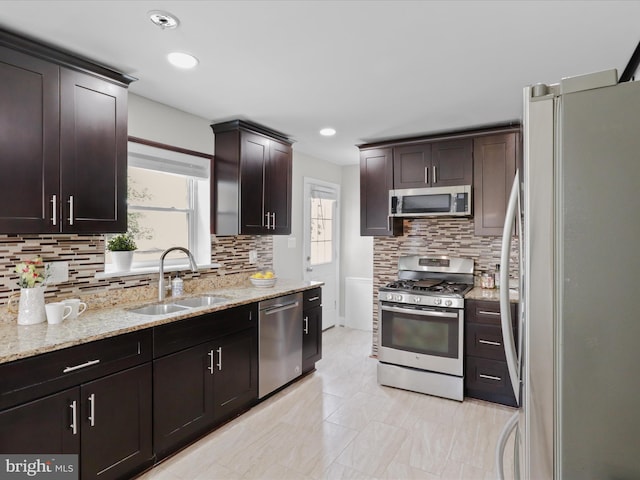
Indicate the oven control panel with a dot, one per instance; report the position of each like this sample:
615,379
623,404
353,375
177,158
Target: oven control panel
427,300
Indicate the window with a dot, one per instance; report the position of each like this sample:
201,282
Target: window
321,229
168,205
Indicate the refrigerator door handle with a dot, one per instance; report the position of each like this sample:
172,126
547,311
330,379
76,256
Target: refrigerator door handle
511,424
513,210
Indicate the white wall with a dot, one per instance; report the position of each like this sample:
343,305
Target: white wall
357,251
356,258
154,121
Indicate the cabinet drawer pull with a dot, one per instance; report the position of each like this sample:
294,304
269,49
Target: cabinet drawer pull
70,209
219,365
78,367
210,367
313,299
489,342
74,418
54,208
92,409
305,328
490,377
484,312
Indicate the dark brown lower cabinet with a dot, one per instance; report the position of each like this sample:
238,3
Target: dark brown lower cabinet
235,377
312,338
183,397
115,413
41,426
197,388
485,372
107,420
311,328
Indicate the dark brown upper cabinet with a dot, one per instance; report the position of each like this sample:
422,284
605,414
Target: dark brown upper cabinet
452,163
433,164
376,179
412,166
495,161
63,142
483,158
252,180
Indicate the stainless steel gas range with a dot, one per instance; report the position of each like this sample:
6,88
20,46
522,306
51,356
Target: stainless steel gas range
421,325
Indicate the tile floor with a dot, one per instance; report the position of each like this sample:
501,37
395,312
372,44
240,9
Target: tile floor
338,423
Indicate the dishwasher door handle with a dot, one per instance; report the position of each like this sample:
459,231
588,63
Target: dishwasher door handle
280,308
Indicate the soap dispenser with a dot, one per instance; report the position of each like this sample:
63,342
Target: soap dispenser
177,286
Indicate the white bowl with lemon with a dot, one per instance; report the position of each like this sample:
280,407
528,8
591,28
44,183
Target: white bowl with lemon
263,279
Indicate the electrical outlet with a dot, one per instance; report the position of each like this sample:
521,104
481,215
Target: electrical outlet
253,256
58,272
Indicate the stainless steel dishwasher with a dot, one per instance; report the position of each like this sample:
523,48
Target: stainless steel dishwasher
280,342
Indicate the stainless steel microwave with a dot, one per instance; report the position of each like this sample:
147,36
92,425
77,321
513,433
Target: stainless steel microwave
431,202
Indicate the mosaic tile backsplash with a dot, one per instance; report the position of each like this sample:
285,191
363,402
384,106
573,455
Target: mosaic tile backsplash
85,254
435,236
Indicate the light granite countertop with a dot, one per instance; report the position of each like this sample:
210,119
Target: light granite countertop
491,294
21,341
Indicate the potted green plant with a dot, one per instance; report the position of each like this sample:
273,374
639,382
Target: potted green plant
121,247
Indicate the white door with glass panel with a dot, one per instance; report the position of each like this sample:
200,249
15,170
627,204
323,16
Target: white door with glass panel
321,242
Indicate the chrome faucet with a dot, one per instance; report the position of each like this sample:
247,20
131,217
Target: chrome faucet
192,262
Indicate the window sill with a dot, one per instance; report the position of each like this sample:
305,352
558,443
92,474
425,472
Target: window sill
111,273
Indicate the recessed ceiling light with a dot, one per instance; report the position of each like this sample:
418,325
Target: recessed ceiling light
328,132
163,19
182,60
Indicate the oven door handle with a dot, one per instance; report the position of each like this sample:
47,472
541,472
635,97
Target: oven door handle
425,312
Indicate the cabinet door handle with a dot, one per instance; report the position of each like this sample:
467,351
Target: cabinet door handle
489,377
83,365
70,209
210,367
92,409
484,312
313,299
426,175
273,220
268,220
74,418
54,208
435,176
489,342
219,364
306,325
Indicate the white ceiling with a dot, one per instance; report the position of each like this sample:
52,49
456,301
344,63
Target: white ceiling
370,69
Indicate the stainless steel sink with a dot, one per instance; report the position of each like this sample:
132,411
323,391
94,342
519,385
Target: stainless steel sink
202,301
159,309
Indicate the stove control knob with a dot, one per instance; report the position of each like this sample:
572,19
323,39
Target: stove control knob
448,303
389,296
437,301
417,299
398,298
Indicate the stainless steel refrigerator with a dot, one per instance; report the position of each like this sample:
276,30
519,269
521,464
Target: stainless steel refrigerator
575,367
